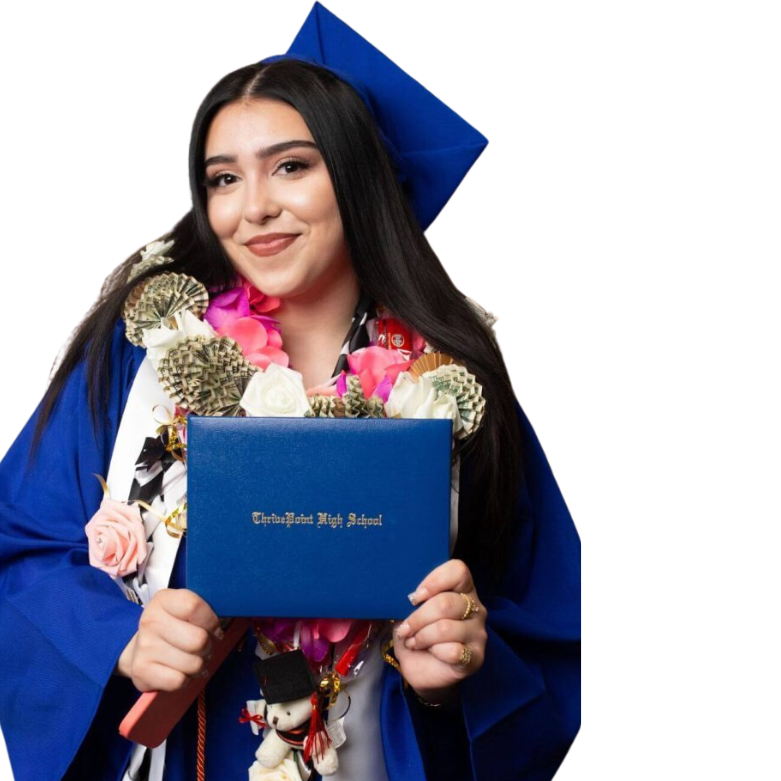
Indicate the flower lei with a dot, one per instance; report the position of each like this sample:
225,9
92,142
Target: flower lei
224,356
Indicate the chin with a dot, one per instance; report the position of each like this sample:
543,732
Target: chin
275,285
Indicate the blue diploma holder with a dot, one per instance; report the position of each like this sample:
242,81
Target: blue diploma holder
315,517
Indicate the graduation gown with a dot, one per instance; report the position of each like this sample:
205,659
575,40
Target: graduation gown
64,624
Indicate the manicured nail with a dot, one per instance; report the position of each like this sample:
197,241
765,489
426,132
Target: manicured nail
417,596
403,630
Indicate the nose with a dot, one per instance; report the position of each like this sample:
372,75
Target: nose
259,202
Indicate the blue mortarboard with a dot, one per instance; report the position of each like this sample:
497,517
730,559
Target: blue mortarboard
432,146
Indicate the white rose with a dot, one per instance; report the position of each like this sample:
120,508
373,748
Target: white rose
156,248
158,341
276,392
286,770
421,400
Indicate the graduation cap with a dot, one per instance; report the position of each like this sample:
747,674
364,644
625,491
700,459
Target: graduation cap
432,146
284,677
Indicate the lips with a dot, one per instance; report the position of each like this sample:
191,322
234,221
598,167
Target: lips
267,238
270,243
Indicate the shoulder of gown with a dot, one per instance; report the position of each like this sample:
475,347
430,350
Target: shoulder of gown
63,622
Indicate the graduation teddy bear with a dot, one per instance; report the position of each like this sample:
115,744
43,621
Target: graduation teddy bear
291,712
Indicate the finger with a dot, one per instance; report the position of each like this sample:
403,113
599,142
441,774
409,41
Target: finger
451,653
453,575
155,627
445,630
445,605
167,655
158,677
188,606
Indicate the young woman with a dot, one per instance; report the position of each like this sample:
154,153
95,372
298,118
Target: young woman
298,211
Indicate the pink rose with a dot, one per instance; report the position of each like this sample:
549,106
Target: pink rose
240,314
259,342
117,540
372,365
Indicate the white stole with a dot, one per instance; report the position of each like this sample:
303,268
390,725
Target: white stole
138,422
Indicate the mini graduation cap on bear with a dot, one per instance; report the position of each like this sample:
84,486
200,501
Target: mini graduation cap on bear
432,146
287,677
284,677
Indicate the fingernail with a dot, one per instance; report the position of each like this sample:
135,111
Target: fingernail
219,634
418,595
403,630
410,642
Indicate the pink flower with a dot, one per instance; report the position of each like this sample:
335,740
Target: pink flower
117,540
373,365
315,633
258,302
240,314
259,341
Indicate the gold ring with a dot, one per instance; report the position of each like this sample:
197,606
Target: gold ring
471,606
466,656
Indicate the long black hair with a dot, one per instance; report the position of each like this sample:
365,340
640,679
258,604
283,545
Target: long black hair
392,259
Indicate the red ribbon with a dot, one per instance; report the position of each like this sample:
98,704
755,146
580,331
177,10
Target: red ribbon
247,716
348,657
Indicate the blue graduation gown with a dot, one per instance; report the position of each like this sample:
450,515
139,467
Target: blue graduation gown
64,624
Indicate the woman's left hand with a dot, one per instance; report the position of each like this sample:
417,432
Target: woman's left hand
443,641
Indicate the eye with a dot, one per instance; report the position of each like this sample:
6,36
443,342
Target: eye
295,164
215,181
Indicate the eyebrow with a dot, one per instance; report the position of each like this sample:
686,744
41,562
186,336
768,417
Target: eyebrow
262,154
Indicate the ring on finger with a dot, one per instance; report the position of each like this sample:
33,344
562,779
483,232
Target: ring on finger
466,656
471,606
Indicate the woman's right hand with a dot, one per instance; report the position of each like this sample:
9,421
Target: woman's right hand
173,641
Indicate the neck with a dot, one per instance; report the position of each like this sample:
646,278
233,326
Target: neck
317,321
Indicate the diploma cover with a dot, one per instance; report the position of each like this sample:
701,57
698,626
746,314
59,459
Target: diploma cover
315,517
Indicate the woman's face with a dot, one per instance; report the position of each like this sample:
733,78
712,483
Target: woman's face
264,176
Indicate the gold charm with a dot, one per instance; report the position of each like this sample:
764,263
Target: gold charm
172,526
330,686
175,446
386,651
